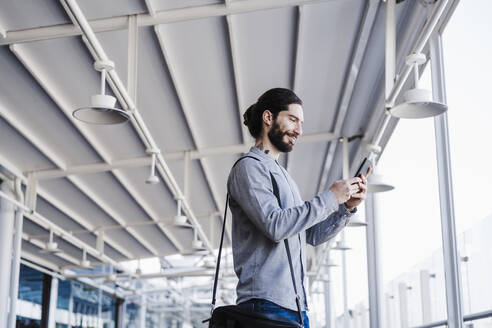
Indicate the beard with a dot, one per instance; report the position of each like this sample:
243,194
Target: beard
276,136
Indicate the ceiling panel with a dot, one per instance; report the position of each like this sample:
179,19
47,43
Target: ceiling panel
19,15
20,152
304,164
327,37
265,48
157,100
198,53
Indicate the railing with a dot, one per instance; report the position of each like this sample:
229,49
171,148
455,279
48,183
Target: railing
469,317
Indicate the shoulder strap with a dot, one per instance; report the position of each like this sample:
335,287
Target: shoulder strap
286,243
222,239
289,257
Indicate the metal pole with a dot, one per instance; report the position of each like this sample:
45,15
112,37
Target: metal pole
402,295
15,266
373,263
328,299
425,296
446,200
52,303
143,311
345,173
7,213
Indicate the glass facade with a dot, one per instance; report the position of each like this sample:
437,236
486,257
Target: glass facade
77,304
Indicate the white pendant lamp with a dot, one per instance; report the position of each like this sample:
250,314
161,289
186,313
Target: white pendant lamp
85,263
341,245
356,221
377,184
418,102
51,246
181,220
102,109
153,179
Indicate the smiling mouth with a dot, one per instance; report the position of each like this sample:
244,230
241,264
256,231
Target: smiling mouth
292,140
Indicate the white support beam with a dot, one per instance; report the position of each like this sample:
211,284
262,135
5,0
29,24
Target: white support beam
151,7
295,69
93,44
171,156
64,106
350,79
48,151
241,106
160,17
39,261
132,56
47,224
188,114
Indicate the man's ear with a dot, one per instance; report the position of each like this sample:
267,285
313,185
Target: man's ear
267,117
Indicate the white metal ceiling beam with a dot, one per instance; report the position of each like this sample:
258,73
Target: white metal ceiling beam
237,76
295,69
352,73
160,17
62,207
78,18
191,123
64,106
179,155
58,231
48,152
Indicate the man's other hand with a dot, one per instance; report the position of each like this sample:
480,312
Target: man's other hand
360,195
345,189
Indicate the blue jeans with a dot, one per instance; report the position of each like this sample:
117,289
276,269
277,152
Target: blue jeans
263,306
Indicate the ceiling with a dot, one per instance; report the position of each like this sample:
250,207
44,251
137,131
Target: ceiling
192,68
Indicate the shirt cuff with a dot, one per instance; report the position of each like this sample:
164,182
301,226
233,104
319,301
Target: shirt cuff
344,210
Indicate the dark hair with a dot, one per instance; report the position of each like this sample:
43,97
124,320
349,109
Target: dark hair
275,100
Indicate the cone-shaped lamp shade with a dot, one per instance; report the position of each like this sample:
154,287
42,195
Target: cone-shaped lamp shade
376,184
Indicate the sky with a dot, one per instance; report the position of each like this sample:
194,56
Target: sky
410,215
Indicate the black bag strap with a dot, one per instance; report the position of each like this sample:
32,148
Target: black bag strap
289,257
286,243
222,240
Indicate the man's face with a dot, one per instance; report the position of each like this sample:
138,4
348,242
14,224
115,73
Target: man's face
287,128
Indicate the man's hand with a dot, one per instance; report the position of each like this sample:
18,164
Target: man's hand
345,189
358,197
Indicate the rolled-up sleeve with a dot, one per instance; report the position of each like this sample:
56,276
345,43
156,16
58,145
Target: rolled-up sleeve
330,227
251,187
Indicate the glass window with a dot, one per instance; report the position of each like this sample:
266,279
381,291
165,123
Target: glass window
29,298
467,48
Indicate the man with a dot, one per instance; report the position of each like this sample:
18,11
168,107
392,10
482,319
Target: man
259,223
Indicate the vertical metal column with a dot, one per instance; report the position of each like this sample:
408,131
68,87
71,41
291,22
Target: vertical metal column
45,301
373,263
446,200
15,267
143,311
328,299
345,173
425,297
402,295
7,214
52,303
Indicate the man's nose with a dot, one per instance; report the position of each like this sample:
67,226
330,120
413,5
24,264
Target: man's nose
298,130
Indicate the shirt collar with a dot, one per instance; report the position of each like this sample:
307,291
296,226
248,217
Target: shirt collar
261,154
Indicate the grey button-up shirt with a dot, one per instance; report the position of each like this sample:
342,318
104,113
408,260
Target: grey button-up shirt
259,225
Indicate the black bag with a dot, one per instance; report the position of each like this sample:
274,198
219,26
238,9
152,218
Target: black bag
232,316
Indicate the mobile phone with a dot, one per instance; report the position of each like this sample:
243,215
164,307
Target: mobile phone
364,167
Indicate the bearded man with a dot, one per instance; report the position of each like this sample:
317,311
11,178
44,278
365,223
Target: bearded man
260,220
